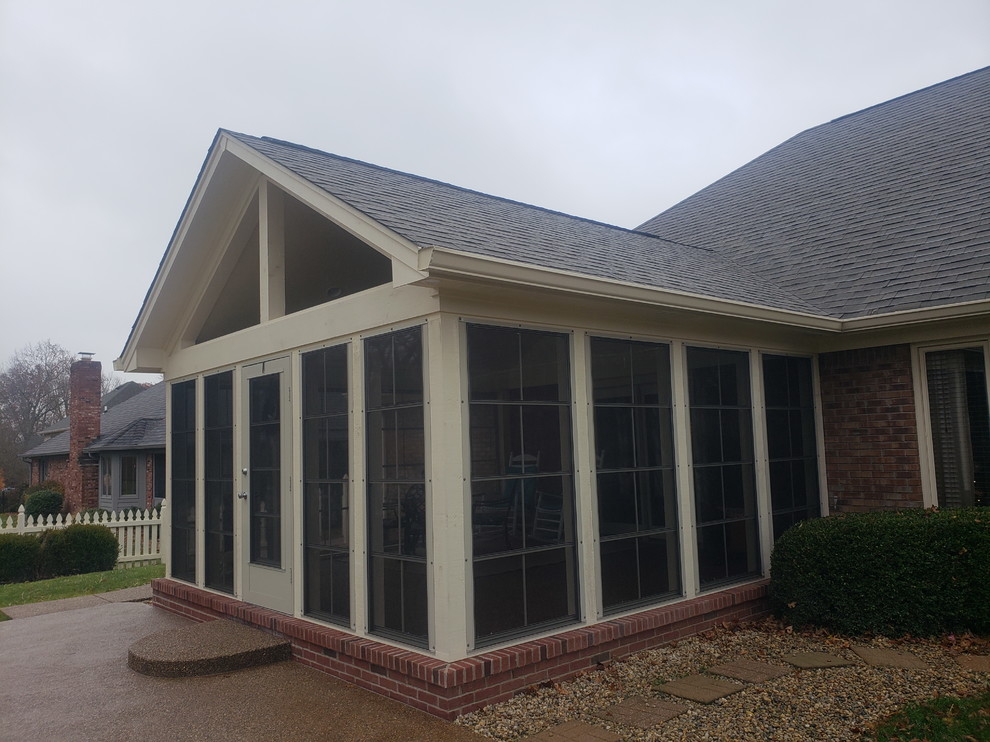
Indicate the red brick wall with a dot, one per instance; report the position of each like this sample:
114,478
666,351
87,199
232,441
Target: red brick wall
82,478
58,468
871,437
449,689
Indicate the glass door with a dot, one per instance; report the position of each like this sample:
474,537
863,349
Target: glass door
266,485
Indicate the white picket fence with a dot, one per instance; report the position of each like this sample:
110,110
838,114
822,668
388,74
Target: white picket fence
138,532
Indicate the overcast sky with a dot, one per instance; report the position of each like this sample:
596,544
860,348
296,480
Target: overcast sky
609,110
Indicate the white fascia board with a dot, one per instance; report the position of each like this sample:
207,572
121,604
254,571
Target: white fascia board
341,213
440,262
128,360
890,320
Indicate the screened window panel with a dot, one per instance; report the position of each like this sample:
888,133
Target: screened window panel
522,500
326,445
635,481
183,505
396,489
218,465
792,447
724,471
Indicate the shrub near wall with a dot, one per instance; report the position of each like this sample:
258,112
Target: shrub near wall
42,503
918,572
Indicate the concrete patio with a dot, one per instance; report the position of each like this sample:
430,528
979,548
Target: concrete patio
64,676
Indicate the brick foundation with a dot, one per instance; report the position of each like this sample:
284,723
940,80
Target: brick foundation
871,435
449,689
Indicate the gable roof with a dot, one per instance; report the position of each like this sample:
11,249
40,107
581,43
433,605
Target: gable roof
848,226
879,211
432,214
136,423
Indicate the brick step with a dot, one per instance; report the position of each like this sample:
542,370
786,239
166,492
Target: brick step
205,648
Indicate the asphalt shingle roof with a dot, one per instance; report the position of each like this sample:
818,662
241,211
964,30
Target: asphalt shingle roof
878,211
429,213
138,422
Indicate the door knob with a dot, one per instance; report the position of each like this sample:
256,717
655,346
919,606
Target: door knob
242,495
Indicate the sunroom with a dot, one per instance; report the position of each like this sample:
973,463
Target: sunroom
393,417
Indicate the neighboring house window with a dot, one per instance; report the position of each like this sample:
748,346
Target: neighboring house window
183,505
106,482
791,442
123,480
522,488
723,463
326,560
634,452
960,425
218,465
42,470
128,476
396,498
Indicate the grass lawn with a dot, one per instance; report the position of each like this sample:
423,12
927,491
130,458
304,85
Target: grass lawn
20,593
944,719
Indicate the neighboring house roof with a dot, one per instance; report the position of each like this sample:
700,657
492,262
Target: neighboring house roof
879,211
429,213
136,423
111,399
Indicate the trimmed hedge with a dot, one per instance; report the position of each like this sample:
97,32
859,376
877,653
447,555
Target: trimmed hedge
78,549
18,557
44,502
920,572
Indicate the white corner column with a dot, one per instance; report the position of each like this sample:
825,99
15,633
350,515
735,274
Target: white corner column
447,482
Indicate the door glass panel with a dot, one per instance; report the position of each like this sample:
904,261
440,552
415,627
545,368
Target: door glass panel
265,470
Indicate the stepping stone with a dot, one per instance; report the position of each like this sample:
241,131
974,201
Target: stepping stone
701,688
750,671
575,731
205,649
890,658
815,660
642,713
972,662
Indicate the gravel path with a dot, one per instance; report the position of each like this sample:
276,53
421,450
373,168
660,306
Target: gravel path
830,704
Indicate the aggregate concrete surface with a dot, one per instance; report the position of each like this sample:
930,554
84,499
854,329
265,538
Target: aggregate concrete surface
64,677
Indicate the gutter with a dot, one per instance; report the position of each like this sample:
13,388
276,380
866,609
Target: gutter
439,262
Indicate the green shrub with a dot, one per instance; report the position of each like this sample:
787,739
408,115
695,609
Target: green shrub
920,572
78,549
18,557
43,502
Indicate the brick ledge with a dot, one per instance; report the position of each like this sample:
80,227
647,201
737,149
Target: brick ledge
448,689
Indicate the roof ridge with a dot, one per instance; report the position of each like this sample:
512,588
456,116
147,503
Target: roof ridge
901,97
454,186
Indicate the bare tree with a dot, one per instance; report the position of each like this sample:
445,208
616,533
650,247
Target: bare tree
110,381
34,388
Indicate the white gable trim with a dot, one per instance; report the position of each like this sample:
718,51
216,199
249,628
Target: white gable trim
387,242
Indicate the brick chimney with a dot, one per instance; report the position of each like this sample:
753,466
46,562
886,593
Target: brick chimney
83,476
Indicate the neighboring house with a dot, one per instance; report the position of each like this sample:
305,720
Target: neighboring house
454,445
110,452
